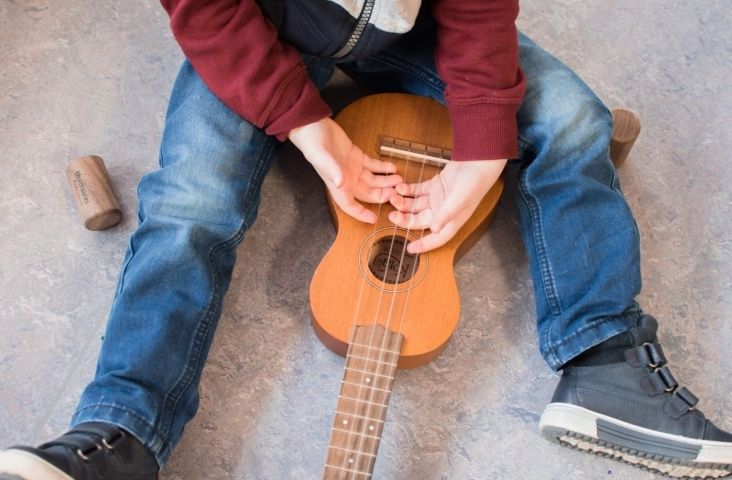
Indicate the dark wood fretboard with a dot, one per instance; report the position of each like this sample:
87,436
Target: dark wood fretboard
367,382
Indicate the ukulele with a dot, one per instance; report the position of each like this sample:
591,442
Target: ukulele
372,301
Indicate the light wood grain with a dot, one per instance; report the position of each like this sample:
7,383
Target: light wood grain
626,128
93,194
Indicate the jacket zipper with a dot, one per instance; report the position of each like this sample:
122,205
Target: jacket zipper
363,19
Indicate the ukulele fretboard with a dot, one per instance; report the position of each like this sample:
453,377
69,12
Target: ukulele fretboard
367,382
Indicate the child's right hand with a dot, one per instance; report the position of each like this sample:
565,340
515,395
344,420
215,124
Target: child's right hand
346,170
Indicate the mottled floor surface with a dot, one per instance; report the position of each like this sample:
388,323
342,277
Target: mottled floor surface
93,77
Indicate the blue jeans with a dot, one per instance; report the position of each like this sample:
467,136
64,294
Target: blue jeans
581,238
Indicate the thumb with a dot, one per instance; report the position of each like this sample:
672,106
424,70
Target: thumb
442,218
328,168
335,174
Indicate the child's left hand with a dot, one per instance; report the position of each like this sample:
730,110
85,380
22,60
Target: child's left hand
445,202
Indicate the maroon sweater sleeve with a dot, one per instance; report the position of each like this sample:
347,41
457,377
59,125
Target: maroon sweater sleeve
477,57
235,51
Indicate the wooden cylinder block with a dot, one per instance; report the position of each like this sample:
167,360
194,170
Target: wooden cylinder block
626,128
93,193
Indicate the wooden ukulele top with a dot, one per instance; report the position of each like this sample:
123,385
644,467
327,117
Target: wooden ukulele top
344,291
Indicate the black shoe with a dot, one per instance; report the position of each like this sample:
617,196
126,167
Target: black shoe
90,451
619,400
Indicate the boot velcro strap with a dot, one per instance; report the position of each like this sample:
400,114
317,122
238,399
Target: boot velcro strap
646,355
661,380
687,396
681,402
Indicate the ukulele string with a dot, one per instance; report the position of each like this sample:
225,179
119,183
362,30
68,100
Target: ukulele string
373,332
382,350
368,255
355,319
411,278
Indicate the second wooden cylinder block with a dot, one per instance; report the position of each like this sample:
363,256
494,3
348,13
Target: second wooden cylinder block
93,193
626,128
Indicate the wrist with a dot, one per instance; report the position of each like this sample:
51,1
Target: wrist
296,130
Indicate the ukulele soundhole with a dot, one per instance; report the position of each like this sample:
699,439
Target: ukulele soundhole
390,262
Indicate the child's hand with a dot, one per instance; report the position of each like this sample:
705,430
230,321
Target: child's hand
444,203
347,171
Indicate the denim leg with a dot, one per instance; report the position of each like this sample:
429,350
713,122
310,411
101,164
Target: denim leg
579,232
193,213
582,240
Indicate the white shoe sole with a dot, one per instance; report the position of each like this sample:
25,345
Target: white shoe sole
26,466
671,455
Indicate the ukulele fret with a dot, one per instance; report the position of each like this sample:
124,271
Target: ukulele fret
353,417
361,434
362,403
358,370
380,405
356,415
350,451
373,360
361,385
344,469
360,414
373,348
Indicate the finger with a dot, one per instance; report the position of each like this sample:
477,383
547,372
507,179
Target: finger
414,189
411,221
377,166
433,240
372,195
351,207
410,205
380,181
443,216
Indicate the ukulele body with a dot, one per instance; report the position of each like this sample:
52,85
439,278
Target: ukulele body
364,279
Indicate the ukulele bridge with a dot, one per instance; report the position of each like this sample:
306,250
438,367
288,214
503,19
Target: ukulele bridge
394,147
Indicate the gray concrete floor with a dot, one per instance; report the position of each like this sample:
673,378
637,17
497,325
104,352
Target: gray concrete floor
93,77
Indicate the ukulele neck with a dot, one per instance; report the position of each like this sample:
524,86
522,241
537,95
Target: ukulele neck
367,382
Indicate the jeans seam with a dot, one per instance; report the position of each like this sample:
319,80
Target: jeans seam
173,397
553,351
526,145
123,271
123,409
399,63
128,412
547,279
539,245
